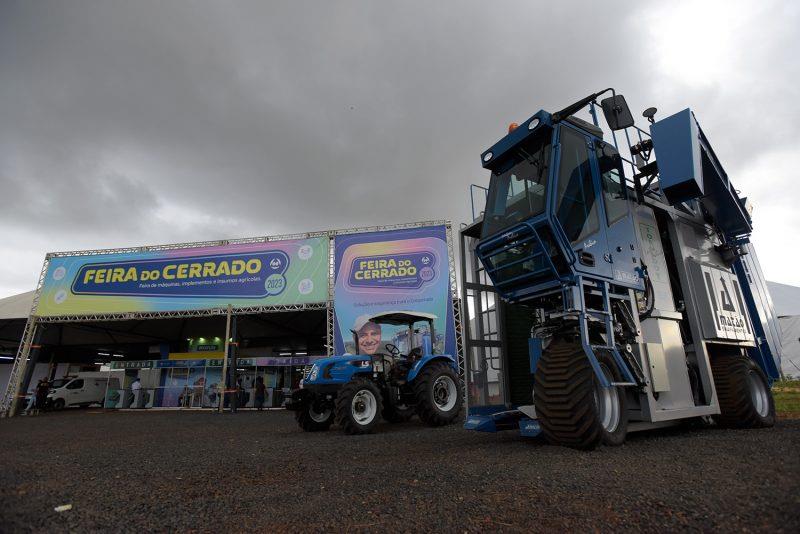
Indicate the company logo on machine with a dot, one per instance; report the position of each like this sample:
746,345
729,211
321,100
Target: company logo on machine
727,306
248,275
624,276
590,243
393,271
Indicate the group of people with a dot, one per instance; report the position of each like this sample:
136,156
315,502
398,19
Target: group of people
259,393
38,401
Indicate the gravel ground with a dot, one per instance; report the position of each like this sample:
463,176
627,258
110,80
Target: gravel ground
201,471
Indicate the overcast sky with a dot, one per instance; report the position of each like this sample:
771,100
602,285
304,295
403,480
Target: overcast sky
132,123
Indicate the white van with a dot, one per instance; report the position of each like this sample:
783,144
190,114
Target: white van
82,390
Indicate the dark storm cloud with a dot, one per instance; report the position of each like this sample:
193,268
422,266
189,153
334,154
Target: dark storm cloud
148,122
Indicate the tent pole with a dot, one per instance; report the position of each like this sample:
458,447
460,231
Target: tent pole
225,359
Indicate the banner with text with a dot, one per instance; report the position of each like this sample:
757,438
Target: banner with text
253,274
397,270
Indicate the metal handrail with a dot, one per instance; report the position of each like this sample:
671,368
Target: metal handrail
472,188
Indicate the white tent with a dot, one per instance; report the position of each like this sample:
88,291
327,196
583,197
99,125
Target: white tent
790,340
16,306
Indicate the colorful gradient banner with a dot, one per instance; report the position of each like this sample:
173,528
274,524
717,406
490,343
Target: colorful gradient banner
243,275
398,270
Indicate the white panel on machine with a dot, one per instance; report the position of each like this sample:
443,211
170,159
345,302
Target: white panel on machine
721,307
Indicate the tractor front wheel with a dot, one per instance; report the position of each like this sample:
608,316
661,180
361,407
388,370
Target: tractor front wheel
745,400
438,392
358,406
573,408
312,419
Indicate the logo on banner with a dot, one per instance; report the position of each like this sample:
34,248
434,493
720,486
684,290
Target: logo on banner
249,275
393,271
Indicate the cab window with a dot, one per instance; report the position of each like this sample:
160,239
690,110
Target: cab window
75,384
576,206
613,181
517,190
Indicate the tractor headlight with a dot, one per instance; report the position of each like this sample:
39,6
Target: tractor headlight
314,372
377,367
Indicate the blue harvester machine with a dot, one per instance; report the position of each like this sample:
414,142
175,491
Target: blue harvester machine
602,303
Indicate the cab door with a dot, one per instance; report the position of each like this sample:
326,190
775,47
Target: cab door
617,217
577,204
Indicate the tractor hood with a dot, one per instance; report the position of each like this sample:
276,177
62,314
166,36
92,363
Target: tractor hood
337,368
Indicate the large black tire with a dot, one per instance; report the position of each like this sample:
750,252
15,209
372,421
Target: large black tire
745,399
312,421
395,414
572,408
58,404
437,390
358,406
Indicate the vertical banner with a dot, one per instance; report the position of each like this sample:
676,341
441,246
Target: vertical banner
397,270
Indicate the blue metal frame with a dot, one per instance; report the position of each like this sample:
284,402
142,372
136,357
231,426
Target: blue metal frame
683,177
601,275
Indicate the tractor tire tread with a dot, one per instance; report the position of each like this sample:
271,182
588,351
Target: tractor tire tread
342,406
308,424
733,392
423,384
564,397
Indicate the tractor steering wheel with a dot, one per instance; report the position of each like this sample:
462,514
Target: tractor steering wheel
393,350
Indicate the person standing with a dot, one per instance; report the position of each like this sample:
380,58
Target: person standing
30,409
41,395
261,393
136,391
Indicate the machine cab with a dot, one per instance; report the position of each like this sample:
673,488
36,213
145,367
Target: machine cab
557,207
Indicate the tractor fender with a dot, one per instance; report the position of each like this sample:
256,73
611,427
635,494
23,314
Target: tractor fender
422,363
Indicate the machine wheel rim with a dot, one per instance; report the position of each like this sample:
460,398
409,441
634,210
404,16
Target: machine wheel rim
318,417
758,393
444,393
364,406
608,405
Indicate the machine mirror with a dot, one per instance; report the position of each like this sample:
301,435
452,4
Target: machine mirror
618,114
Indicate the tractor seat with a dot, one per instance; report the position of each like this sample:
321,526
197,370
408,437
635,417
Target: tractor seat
415,354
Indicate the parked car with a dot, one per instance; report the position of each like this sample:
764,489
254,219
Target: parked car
82,390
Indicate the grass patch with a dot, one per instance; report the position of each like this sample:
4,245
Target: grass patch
787,397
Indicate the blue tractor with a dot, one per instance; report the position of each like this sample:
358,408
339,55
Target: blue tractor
356,390
604,302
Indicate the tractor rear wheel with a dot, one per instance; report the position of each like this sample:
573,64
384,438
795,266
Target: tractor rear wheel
312,420
572,407
358,406
437,389
745,400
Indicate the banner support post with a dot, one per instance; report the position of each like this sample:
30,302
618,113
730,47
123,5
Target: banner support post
225,359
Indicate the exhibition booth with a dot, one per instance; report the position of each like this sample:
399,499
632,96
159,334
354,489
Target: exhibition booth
175,326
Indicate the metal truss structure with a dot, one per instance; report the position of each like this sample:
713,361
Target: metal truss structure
33,326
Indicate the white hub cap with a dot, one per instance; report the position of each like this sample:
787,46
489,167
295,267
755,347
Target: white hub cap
608,405
364,407
444,393
319,417
758,393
